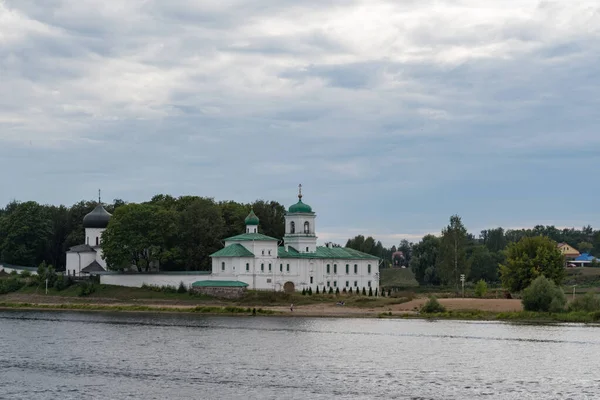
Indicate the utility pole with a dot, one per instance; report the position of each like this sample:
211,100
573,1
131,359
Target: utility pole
462,279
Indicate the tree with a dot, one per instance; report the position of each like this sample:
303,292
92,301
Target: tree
271,215
484,265
453,260
137,236
317,292
424,260
585,247
530,258
543,295
481,288
370,291
493,239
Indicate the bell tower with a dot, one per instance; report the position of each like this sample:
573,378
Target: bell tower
300,227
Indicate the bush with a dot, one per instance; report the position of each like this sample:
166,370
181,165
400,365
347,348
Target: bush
350,290
588,303
25,274
317,292
375,292
62,282
543,295
433,306
10,285
481,288
370,292
337,290
330,290
364,291
182,288
303,291
86,288
344,291
324,290
310,291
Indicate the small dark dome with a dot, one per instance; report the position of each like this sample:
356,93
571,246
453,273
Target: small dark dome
98,218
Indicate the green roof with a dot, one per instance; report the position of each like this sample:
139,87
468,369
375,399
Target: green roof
219,284
327,252
300,208
250,236
251,219
233,250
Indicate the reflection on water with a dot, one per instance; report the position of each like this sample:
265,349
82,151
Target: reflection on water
157,356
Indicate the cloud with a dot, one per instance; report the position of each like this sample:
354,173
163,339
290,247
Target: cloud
397,114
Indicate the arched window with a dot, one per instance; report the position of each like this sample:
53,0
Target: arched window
223,266
292,227
306,227
97,241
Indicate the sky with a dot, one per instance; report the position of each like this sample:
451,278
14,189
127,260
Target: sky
393,115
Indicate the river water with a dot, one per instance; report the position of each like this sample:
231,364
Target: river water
68,355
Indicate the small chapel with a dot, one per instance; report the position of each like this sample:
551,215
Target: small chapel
85,259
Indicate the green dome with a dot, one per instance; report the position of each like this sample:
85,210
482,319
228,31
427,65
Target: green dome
251,219
300,207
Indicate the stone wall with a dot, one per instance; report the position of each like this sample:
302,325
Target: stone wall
222,292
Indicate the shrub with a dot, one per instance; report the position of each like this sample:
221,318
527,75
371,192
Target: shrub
303,291
364,291
543,295
370,292
433,306
350,290
481,288
25,274
344,291
375,292
588,303
310,291
330,290
14,273
324,290
10,285
86,288
62,282
389,292
182,288
317,292
337,290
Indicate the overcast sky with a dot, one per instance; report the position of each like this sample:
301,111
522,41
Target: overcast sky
392,114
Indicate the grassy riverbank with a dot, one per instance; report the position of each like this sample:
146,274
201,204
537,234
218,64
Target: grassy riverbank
520,316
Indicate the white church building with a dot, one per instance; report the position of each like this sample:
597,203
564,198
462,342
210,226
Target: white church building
87,258
295,263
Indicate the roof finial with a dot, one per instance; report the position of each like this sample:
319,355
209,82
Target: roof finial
99,196
300,192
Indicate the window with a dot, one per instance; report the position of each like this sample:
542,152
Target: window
311,280
97,241
307,249
369,268
334,283
347,269
355,268
269,267
247,267
327,283
292,227
335,268
223,266
263,253
87,240
269,252
287,268
328,268
306,227
369,284
280,267
347,283
262,267
355,283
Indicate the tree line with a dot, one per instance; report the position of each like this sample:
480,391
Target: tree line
180,232
441,259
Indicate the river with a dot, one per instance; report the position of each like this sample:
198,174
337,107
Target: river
76,355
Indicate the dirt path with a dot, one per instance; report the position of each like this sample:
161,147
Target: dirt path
494,305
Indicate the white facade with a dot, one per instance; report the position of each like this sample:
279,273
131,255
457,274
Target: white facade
162,279
296,264
93,236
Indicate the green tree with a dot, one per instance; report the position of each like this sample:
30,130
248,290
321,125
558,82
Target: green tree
137,236
424,260
25,234
481,288
453,261
271,215
585,247
493,239
484,264
543,295
530,258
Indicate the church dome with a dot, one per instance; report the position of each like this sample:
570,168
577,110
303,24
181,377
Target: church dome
300,207
98,218
251,219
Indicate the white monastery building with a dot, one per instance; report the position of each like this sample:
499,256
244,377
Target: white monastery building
297,262
260,261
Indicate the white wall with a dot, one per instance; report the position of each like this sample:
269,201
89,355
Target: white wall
300,240
78,261
8,270
137,280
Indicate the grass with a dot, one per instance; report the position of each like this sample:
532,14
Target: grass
397,277
136,308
